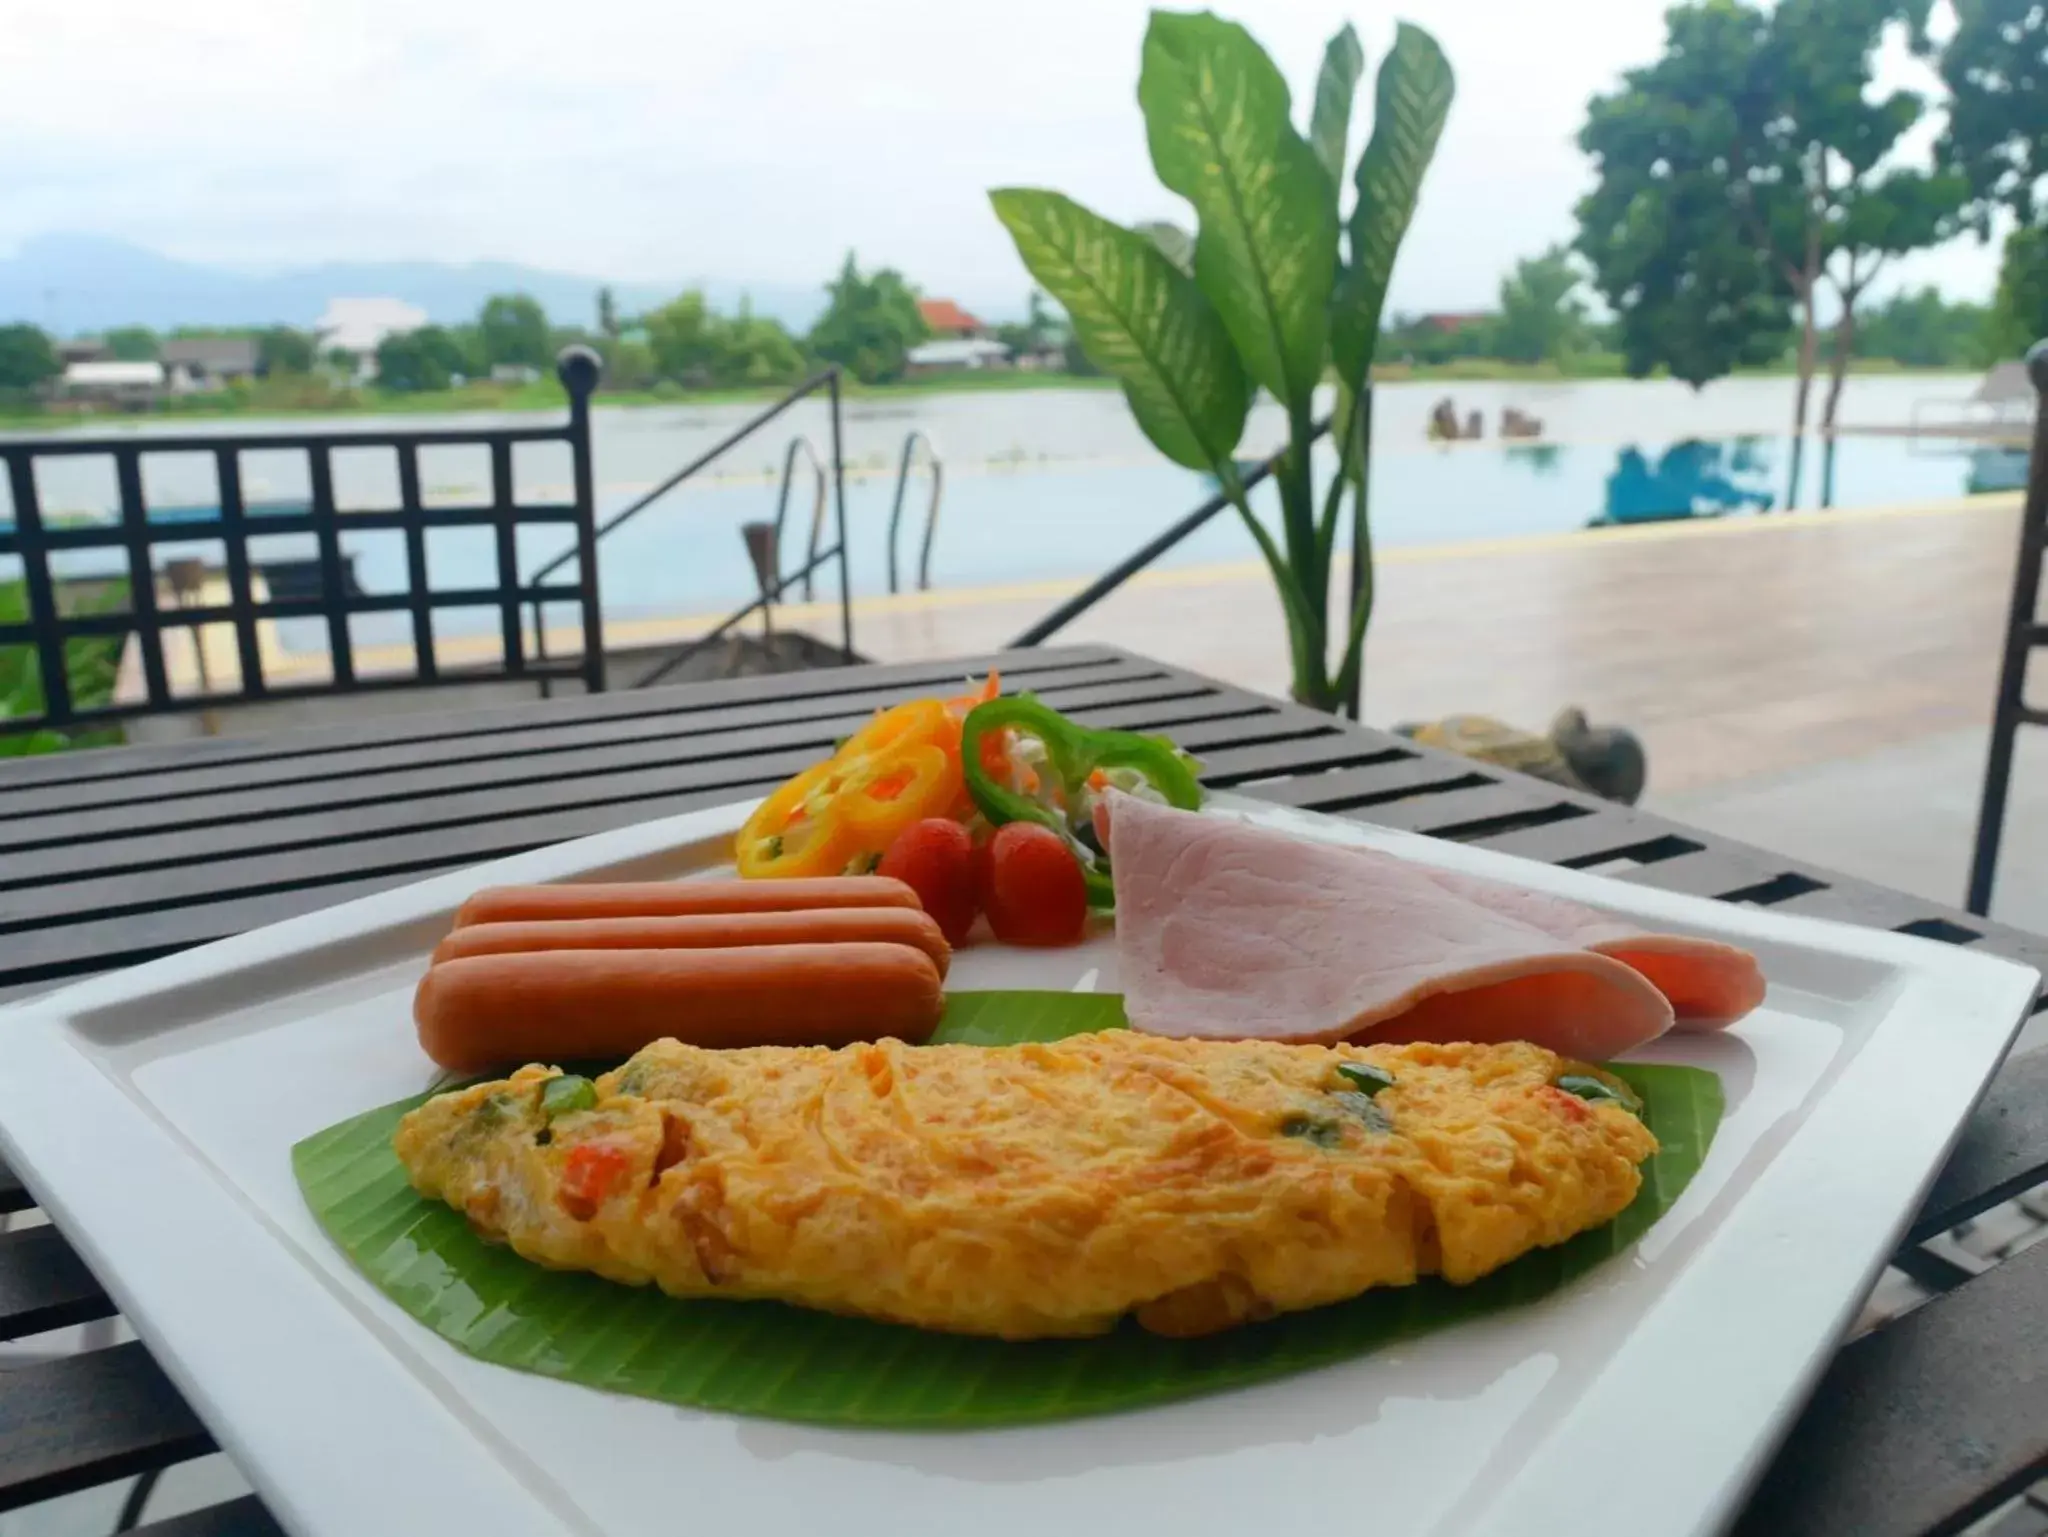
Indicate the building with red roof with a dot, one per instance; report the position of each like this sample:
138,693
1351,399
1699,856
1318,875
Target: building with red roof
943,318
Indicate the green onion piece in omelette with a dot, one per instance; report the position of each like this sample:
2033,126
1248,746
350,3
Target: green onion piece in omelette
1365,1078
1588,1087
1321,1133
567,1093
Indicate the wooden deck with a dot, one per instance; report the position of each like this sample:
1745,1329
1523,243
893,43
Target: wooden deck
1734,648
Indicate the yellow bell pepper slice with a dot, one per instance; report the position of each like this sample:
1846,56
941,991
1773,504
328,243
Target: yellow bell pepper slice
905,725
796,831
897,787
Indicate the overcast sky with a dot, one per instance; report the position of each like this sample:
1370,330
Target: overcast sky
751,140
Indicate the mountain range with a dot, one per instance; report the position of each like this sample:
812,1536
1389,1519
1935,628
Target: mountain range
76,284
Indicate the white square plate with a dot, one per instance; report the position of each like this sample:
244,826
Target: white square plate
152,1113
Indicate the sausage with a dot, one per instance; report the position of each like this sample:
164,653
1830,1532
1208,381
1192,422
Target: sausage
705,931
481,1011
679,899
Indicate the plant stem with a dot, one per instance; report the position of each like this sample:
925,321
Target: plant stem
1342,425
1311,683
1297,495
1351,674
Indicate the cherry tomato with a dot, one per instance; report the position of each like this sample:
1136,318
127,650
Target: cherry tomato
935,859
1034,894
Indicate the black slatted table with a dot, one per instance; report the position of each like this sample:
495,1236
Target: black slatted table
110,858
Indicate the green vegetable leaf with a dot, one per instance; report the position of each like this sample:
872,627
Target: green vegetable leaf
1412,101
1140,319
1217,120
761,1358
1329,124
1174,243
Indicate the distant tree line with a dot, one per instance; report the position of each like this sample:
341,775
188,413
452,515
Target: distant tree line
869,325
28,356
1544,315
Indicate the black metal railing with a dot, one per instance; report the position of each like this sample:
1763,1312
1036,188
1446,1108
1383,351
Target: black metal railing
33,538
935,469
800,448
2024,634
773,582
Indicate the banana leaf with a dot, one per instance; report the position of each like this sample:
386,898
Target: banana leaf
768,1360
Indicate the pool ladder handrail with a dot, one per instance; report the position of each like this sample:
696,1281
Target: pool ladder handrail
819,481
937,469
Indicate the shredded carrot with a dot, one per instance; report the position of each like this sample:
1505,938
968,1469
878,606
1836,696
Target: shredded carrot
991,686
1098,780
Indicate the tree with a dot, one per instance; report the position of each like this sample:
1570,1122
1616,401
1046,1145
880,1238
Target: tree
607,314
1901,211
1433,339
2019,312
1775,111
679,334
1996,70
26,357
132,344
695,346
512,329
1542,316
283,350
1924,330
1691,293
870,323
1040,330
426,359
471,361
754,349
628,363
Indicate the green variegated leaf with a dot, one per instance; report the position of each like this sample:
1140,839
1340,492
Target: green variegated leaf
1217,120
1174,243
1414,96
1329,124
1140,319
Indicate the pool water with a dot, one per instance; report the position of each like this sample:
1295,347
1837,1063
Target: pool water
1057,485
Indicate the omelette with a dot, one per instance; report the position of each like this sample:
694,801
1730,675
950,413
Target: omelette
1046,1189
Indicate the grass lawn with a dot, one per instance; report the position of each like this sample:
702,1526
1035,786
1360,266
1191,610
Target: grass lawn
90,662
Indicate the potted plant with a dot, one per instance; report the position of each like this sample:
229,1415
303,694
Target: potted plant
1277,290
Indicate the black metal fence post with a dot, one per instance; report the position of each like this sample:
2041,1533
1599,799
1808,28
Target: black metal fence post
2023,633
42,597
578,368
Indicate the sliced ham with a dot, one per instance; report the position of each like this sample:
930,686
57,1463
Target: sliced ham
1708,983
1231,931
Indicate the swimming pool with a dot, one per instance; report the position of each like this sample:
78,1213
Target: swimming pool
1058,487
